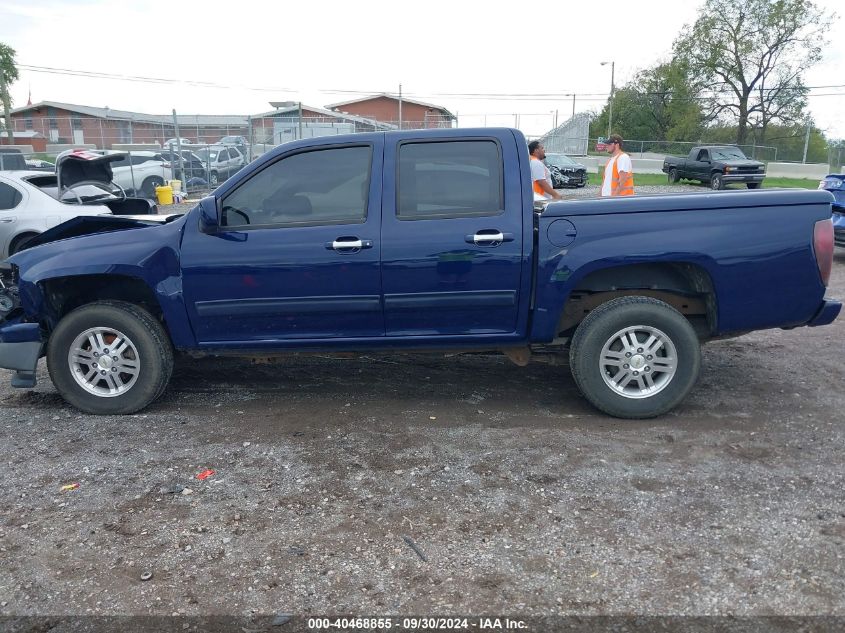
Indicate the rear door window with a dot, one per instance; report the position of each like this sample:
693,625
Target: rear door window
449,179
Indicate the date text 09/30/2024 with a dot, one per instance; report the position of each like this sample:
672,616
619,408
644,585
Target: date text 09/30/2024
421,623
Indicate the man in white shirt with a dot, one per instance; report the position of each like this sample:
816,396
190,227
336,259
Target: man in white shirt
541,177
619,171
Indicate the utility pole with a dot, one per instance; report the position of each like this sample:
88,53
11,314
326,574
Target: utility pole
806,142
573,105
612,91
300,120
400,106
179,150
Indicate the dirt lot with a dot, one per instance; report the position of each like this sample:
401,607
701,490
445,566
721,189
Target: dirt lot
520,498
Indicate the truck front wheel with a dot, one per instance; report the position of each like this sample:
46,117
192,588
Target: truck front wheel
109,358
635,357
717,182
673,176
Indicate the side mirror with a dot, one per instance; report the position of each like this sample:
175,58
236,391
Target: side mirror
209,217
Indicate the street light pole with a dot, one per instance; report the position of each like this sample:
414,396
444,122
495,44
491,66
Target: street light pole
612,90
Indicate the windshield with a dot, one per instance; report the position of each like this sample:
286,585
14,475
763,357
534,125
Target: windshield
727,153
207,154
560,160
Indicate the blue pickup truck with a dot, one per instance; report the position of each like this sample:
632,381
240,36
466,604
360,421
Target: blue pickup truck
415,240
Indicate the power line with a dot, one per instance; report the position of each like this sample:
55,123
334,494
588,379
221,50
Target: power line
468,95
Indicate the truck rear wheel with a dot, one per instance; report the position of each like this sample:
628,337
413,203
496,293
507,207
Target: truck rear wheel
110,358
635,357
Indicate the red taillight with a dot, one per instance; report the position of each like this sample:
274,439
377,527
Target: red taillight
823,245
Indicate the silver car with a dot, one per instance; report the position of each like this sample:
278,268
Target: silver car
29,205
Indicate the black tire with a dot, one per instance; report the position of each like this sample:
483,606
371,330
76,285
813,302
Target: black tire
213,179
603,325
154,357
752,185
673,176
20,242
150,184
716,181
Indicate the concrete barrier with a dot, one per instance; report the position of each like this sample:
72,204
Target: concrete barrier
647,165
55,148
641,165
797,170
138,147
589,162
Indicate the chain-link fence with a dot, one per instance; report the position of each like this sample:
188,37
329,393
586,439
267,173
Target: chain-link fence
205,150
659,149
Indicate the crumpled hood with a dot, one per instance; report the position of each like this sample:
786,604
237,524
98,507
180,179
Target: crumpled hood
86,225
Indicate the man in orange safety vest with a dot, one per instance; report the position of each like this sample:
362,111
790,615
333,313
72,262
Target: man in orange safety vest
619,171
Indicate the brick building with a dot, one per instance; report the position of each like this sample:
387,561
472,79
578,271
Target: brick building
383,107
288,122
104,127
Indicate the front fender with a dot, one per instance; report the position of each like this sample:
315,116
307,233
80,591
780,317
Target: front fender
150,254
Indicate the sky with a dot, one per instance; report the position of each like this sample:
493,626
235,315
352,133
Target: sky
485,61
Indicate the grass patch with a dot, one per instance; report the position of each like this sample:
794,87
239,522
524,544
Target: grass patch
768,183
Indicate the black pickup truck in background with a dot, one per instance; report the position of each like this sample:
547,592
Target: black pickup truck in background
717,165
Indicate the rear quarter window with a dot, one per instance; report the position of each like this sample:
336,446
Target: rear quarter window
9,197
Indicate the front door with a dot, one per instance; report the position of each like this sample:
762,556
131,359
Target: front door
452,235
297,255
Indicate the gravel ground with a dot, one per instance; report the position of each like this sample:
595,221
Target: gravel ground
520,497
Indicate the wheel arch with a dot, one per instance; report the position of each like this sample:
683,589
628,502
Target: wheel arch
15,239
64,294
687,287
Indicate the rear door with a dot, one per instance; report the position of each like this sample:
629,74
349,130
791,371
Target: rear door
452,235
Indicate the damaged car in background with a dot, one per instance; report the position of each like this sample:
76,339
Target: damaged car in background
32,202
565,171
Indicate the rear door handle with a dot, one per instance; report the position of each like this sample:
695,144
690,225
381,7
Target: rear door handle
347,244
490,237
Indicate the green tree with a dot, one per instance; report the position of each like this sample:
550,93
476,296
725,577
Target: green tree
753,54
660,103
8,74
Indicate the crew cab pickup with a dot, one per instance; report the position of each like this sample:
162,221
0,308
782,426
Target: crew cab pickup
415,240
716,165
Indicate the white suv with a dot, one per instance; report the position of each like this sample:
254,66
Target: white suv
141,171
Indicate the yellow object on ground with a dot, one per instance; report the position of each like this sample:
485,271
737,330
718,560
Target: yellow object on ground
164,194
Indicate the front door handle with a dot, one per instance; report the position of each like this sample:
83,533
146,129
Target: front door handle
488,237
7,219
347,244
